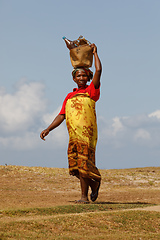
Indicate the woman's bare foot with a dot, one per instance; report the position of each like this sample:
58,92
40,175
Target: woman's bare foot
94,186
82,201
95,189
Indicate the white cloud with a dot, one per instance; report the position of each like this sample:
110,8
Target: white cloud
142,134
116,126
133,130
48,117
29,140
18,111
155,114
24,114
111,131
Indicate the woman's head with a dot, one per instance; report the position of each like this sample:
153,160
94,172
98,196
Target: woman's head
81,76
87,71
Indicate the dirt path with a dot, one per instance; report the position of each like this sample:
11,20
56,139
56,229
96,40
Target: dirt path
151,208
40,217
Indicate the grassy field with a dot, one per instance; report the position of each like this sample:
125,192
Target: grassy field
39,203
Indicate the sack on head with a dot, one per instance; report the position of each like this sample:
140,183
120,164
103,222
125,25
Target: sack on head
81,56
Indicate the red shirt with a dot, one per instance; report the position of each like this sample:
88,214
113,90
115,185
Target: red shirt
91,90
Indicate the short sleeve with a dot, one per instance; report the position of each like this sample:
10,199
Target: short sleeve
93,92
63,106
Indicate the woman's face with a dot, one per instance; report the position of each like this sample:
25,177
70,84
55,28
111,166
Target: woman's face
80,78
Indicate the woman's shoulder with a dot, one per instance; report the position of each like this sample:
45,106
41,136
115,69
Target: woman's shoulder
69,95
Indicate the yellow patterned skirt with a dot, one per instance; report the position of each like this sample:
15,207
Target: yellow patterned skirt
82,128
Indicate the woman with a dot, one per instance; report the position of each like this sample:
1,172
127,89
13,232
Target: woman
79,110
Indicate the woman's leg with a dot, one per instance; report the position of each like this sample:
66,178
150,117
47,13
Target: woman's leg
93,184
84,188
95,188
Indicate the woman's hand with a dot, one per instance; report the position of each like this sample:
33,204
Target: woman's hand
44,133
56,122
94,48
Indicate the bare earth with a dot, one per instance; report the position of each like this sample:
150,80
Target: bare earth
153,208
27,187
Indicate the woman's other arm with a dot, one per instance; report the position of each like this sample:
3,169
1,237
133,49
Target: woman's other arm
56,122
98,67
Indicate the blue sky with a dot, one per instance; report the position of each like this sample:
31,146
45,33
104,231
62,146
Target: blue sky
35,77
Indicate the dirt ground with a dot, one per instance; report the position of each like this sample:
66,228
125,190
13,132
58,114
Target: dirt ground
153,208
27,187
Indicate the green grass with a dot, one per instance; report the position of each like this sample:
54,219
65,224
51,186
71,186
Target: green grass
98,225
76,208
